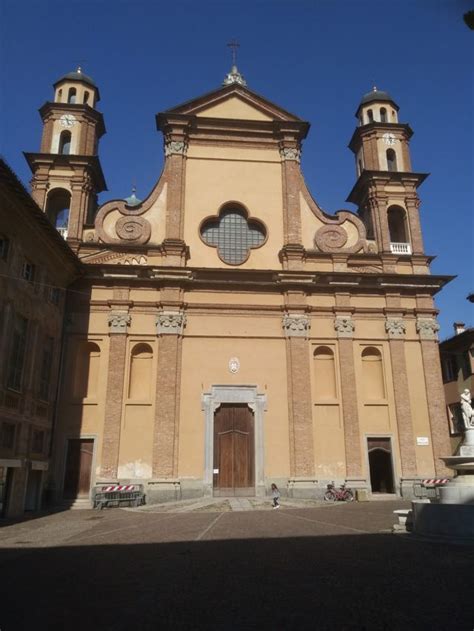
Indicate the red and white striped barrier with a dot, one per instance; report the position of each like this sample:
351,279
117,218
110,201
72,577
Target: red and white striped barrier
118,487
435,481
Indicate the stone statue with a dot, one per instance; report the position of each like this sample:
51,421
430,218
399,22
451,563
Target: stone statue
466,409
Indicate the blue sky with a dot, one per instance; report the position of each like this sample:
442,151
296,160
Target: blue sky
315,59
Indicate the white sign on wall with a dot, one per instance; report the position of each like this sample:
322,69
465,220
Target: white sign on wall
422,440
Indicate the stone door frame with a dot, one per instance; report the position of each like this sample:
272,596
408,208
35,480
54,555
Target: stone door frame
210,401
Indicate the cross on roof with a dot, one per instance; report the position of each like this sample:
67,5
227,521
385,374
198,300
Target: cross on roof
234,44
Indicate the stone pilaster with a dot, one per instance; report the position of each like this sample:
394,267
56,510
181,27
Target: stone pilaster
395,328
412,203
82,189
427,329
296,329
344,326
378,207
290,158
39,187
175,152
170,327
118,322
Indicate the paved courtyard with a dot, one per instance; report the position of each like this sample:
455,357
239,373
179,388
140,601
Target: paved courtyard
231,565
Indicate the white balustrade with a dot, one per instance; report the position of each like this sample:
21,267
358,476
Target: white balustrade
400,248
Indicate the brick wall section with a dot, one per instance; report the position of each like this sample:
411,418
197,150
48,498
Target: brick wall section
300,412
403,410
405,147
381,203
291,202
47,136
412,203
175,174
113,405
165,436
350,410
436,405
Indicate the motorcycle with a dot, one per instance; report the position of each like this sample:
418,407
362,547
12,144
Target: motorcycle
342,494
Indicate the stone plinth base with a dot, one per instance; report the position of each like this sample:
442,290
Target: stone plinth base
445,521
459,490
304,488
158,491
407,487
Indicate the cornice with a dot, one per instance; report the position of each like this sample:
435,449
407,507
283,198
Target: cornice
370,128
55,160
268,280
359,189
50,107
202,127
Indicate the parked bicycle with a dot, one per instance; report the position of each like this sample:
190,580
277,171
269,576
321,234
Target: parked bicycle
342,494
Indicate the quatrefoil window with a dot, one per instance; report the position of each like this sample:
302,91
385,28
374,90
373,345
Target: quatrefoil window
233,234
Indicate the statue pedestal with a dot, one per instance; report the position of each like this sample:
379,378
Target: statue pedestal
452,516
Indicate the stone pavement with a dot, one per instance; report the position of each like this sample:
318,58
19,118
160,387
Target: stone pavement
320,567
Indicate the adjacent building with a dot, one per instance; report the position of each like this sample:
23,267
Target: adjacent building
36,265
457,362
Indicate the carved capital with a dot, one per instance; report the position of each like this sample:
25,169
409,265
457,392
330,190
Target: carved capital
427,328
175,147
344,326
296,325
118,321
39,182
290,153
413,201
170,323
395,328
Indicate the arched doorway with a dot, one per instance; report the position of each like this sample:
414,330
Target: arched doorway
380,465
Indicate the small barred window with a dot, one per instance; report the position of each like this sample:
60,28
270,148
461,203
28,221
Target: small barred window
233,235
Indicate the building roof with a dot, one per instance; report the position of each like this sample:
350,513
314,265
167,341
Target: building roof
458,342
77,75
376,95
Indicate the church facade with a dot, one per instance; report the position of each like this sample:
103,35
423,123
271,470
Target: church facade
226,332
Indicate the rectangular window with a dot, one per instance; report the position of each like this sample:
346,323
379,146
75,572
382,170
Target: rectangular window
28,271
17,353
8,435
455,419
54,295
37,441
465,365
46,364
450,368
4,247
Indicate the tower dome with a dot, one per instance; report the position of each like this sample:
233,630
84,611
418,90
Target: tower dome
77,75
76,87
377,95
133,199
377,106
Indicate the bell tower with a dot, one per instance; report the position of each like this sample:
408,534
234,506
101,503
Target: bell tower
386,188
67,175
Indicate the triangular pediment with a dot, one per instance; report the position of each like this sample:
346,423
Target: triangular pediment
234,102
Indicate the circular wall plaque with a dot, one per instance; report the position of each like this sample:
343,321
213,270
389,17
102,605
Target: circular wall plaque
234,365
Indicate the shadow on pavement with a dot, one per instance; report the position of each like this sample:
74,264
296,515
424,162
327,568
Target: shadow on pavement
364,582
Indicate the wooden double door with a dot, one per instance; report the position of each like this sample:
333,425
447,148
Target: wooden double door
77,479
234,451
